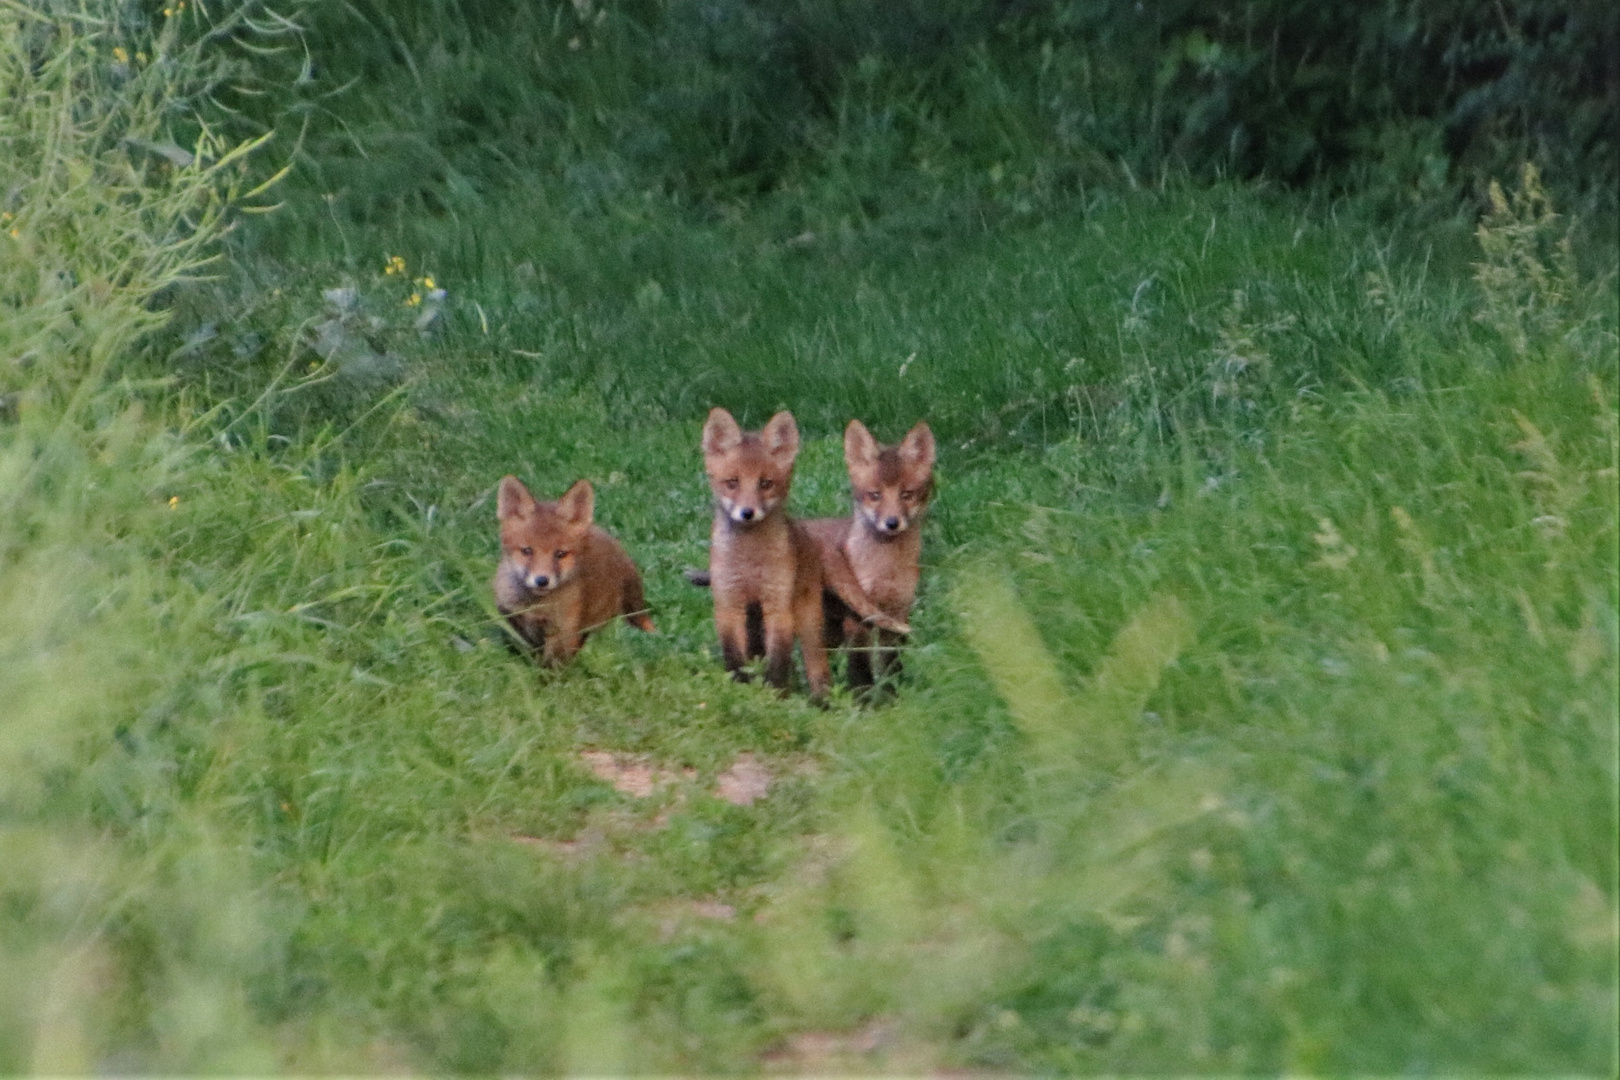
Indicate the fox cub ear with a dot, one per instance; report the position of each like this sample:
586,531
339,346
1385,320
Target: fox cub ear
721,433
859,446
578,504
918,445
513,499
781,435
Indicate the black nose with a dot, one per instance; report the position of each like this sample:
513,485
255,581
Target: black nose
541,581
891,523
746,513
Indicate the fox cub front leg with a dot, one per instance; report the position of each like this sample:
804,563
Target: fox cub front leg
779,634
808,620
731,625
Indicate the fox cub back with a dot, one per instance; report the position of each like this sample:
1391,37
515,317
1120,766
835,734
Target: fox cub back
560,575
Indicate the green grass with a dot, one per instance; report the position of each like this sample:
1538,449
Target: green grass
1260,713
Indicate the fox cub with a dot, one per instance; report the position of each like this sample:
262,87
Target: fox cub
764,569
881,543
561,576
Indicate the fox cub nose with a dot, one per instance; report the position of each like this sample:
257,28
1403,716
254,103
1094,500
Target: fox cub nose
746,513
891,524
539,581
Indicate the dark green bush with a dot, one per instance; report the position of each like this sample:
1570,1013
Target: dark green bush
424,104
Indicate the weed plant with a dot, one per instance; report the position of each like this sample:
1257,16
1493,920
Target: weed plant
1260,713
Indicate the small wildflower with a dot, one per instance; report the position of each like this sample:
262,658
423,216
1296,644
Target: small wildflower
15,234
140,58
174,502
427,283
415,298
394,265
314,366
120,54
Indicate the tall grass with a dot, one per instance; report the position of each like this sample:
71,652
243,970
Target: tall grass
862,111
104,212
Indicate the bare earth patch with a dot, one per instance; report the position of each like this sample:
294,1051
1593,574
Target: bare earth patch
633,776
830,1052
747,781
671,915
567,849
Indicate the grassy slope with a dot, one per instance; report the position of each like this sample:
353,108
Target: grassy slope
1260,716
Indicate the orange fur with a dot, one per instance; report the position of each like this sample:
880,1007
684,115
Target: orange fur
561,576
764,569
880,544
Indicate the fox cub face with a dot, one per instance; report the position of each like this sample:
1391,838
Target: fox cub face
749,471
540,542
892,483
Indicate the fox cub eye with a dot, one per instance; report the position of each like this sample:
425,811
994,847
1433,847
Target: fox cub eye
907,495
560,554
526,551
731,485
766,484
873,496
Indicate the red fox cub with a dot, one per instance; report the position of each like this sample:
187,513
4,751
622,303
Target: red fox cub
560,576
765,571
881,544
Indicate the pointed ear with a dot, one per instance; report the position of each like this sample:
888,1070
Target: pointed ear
781,436
721,433
578,504
513,499
917,448
859,446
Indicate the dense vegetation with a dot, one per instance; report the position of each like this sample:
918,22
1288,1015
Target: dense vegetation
870,108
1261,711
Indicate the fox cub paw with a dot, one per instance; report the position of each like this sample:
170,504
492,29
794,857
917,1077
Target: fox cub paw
883,622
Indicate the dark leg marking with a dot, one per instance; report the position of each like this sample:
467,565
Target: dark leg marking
755,616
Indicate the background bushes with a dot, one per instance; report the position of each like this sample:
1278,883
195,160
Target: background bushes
431,102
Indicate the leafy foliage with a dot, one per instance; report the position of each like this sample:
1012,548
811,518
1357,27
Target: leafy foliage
881,104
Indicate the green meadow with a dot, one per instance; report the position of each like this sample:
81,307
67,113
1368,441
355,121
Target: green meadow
1260,713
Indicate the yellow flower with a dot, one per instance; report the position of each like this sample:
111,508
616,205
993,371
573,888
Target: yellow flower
120,54
416,298
394,265
174,501
427,283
